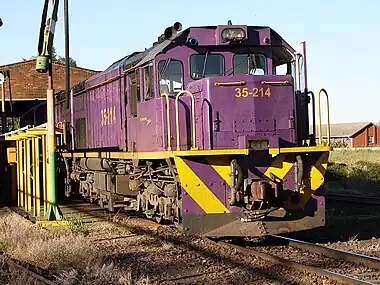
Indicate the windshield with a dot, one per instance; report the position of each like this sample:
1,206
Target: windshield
170,76
206,65
254,64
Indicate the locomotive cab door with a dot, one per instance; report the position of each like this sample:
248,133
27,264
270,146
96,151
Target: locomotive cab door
142,110
132,98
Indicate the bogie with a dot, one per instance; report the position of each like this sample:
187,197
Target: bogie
148,188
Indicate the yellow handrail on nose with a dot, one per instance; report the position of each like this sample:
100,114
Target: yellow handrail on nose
320,119
168,118
194,147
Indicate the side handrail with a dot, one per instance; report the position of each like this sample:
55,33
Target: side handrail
193,118
313,115
320,119
168,119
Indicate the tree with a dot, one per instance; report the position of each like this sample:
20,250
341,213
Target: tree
60,59
72,62
54,53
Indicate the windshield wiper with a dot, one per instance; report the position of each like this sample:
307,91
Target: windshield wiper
204,65
163,71
253,61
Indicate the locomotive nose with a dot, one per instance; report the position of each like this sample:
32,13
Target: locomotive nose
250,111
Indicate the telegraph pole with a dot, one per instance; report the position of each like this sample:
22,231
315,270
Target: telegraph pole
45,64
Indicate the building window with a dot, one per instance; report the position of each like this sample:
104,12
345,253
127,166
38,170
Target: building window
370,140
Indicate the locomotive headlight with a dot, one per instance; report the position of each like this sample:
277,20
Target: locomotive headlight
235,34
258,145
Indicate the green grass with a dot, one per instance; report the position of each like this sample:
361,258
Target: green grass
359,169
351,157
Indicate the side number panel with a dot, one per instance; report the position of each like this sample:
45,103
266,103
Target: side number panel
252,92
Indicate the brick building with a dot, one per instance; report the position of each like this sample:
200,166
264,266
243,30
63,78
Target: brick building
361,134
28,89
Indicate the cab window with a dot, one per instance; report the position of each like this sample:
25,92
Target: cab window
206,65
148,82
170,76
134,92
254,64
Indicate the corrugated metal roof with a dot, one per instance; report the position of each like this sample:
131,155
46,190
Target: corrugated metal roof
343,129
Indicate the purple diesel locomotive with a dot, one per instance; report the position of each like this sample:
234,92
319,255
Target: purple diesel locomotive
201,130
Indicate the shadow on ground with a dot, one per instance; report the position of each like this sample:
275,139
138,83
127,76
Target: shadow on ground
348,219
179,271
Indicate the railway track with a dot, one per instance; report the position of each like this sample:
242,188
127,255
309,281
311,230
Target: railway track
92,213
350,258
12,265
353,198
357,258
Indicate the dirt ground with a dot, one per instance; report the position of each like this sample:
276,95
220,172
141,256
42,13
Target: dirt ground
369,247
135,251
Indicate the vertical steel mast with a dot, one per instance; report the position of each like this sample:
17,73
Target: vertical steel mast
44,64
67,56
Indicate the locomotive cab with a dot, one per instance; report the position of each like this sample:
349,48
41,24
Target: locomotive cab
250,70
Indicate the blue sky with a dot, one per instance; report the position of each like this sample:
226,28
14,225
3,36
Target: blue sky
342,37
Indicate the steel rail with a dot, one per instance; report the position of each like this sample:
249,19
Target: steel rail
12,263
292,264
353,198
339,254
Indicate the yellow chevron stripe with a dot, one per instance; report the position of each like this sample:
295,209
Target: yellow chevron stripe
317,173
222,166
280,166
197,190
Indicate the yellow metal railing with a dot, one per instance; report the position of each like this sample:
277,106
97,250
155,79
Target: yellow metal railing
194,147
168,118
32,191
328,127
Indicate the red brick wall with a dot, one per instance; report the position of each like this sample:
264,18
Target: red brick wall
361,139
27,83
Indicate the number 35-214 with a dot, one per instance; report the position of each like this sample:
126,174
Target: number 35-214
255,92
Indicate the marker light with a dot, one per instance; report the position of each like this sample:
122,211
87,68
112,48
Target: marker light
235,34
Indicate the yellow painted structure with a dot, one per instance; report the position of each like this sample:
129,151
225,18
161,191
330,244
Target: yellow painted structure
31,159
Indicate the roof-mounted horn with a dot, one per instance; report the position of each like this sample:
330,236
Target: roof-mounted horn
173,30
